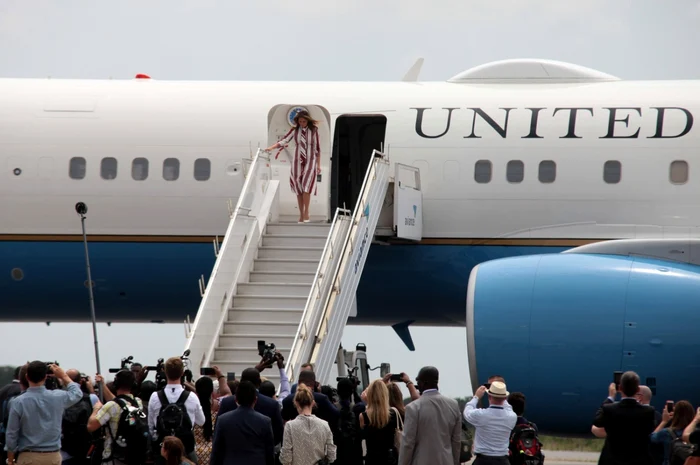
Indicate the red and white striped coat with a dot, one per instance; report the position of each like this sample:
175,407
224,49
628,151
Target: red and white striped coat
302,178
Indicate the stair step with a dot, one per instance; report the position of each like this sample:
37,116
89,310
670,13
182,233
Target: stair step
296,228
250,340
271,374
270,301
294,240
290,252
305,277
245,315
261,326
270,264
245,356
272,289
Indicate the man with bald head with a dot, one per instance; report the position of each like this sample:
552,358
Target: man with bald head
433,427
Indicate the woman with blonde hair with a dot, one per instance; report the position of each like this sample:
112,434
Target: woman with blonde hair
306,165
173,451
378,425
307,439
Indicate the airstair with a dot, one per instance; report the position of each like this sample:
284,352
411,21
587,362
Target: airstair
284,283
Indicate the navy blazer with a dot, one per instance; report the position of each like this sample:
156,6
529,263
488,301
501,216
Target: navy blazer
243,437
325,410
265,405
628,426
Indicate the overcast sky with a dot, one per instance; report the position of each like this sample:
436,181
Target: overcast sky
347,40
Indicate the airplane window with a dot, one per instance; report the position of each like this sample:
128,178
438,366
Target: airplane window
679,172
202,169
108,168
482,171
76,168
139,169
515,171
612,171
171,169
548,171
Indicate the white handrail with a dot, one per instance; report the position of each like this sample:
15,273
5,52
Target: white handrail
315,296
346,253
203,350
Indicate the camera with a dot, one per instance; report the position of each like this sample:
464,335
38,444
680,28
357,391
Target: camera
351,376
161,380
51,381
125,365
267,352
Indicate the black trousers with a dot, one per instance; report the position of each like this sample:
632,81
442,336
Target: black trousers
491,460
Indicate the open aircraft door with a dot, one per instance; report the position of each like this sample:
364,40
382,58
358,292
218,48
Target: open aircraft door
280,121
408,203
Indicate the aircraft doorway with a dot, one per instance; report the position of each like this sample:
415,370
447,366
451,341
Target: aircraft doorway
356,136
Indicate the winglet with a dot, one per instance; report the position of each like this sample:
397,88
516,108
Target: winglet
412,74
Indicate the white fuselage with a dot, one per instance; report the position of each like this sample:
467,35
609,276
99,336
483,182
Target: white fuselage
45,123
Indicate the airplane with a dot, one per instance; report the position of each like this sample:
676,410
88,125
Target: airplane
560,221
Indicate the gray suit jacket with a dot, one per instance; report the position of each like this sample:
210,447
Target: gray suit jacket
432,431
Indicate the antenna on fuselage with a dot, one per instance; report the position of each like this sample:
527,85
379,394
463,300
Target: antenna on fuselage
412,74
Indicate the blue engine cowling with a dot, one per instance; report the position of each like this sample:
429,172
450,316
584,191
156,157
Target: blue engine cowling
557,326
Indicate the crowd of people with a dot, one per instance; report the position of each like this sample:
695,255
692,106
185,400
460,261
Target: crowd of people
51,416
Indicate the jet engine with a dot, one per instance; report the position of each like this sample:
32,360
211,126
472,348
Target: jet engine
557,326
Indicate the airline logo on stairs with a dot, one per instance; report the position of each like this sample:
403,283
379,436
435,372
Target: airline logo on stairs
364,226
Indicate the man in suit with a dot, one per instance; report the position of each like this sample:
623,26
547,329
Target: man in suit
628,426
325,410
243,436
433,428
264,405
643,396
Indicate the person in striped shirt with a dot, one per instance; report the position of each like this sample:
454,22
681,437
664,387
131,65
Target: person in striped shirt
306,165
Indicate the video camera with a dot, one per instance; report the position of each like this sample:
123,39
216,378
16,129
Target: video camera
268,352
51,381
159,369
351,376
125,365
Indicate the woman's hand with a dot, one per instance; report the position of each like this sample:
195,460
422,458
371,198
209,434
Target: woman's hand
318,170
666,416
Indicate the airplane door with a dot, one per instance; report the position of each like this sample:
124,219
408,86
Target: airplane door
408,203
280,121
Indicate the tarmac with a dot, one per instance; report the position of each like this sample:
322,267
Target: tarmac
569,458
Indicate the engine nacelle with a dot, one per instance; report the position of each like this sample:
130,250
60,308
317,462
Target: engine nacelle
556,327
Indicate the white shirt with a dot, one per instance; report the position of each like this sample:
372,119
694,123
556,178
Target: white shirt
493,427
172,393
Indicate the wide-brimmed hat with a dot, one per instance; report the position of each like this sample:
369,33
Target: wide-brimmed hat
304,114
498,389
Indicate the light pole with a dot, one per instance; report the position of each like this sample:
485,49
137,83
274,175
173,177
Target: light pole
81,209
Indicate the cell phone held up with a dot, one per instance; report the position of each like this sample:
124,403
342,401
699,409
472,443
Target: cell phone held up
396,378
207,371
617,378
669,406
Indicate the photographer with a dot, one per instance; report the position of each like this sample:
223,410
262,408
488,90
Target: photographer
173,411
284,379
34,425
76,440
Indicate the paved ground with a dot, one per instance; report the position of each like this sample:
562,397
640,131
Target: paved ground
569,458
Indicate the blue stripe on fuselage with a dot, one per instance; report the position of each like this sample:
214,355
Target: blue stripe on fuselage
142,281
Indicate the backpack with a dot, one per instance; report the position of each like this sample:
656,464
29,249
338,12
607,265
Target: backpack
679,450
75,438
525,447
173,420
130,444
